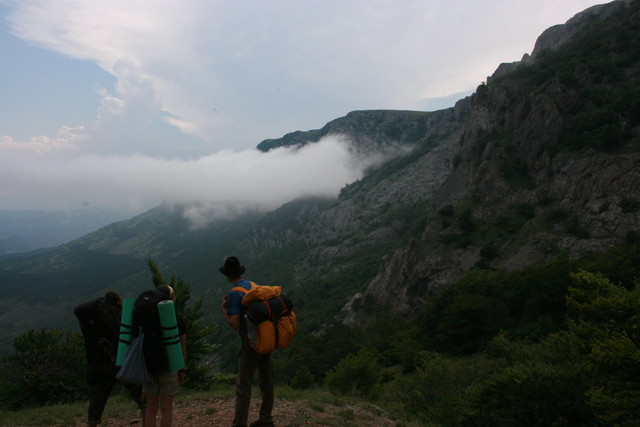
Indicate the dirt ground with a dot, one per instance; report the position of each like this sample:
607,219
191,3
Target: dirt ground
287,413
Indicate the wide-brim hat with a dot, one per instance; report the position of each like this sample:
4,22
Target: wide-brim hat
232,267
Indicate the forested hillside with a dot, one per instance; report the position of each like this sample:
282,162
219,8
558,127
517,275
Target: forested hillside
484,274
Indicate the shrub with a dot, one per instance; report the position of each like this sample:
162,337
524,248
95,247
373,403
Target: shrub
46,367
302,379
437,392
357,374
533,393
632,237
629,205
467,221
489,251
446,211
540,384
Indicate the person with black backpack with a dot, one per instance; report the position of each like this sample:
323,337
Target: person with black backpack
163,384
100,326
249,359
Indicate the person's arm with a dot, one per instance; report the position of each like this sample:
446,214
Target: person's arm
182,372
183,342
232,319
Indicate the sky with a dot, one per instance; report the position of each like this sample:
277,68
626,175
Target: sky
121,104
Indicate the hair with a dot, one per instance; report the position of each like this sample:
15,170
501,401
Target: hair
167,290
112,297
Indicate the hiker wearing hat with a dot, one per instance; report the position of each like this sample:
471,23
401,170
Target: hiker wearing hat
248,360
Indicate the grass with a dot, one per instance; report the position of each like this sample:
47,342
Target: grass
316,405
339,411
65,414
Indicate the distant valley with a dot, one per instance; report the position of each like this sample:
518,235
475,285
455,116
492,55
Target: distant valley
27,230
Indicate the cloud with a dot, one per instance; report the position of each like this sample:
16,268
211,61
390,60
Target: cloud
67,139
191,78
110,106
234,73
216,184
143,44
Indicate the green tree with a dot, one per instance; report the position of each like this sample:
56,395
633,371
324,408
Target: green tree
439,390
588,374
358,373
46,367
199,349
464,317
605,319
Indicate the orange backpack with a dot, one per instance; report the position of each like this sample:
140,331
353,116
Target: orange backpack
270,314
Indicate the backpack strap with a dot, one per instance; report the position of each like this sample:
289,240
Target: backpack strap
269,314
284,304
242,320
243,290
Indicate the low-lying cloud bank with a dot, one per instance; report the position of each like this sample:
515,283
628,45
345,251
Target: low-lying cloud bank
216,185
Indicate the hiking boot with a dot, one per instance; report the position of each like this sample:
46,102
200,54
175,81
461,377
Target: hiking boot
262,424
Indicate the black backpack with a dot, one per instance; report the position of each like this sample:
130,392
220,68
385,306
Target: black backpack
145,316
100,327
274,308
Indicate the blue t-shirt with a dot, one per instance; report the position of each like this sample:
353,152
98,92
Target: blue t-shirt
234,298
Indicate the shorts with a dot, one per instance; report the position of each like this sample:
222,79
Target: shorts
164,383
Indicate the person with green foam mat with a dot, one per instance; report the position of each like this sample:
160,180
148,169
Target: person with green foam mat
164,344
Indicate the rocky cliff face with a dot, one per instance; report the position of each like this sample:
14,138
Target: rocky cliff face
511,150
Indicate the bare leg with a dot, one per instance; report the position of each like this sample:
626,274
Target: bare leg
153,402
166,411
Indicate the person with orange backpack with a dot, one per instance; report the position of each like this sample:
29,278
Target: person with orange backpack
249,359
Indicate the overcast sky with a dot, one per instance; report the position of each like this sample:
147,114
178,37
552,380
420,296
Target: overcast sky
126,104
